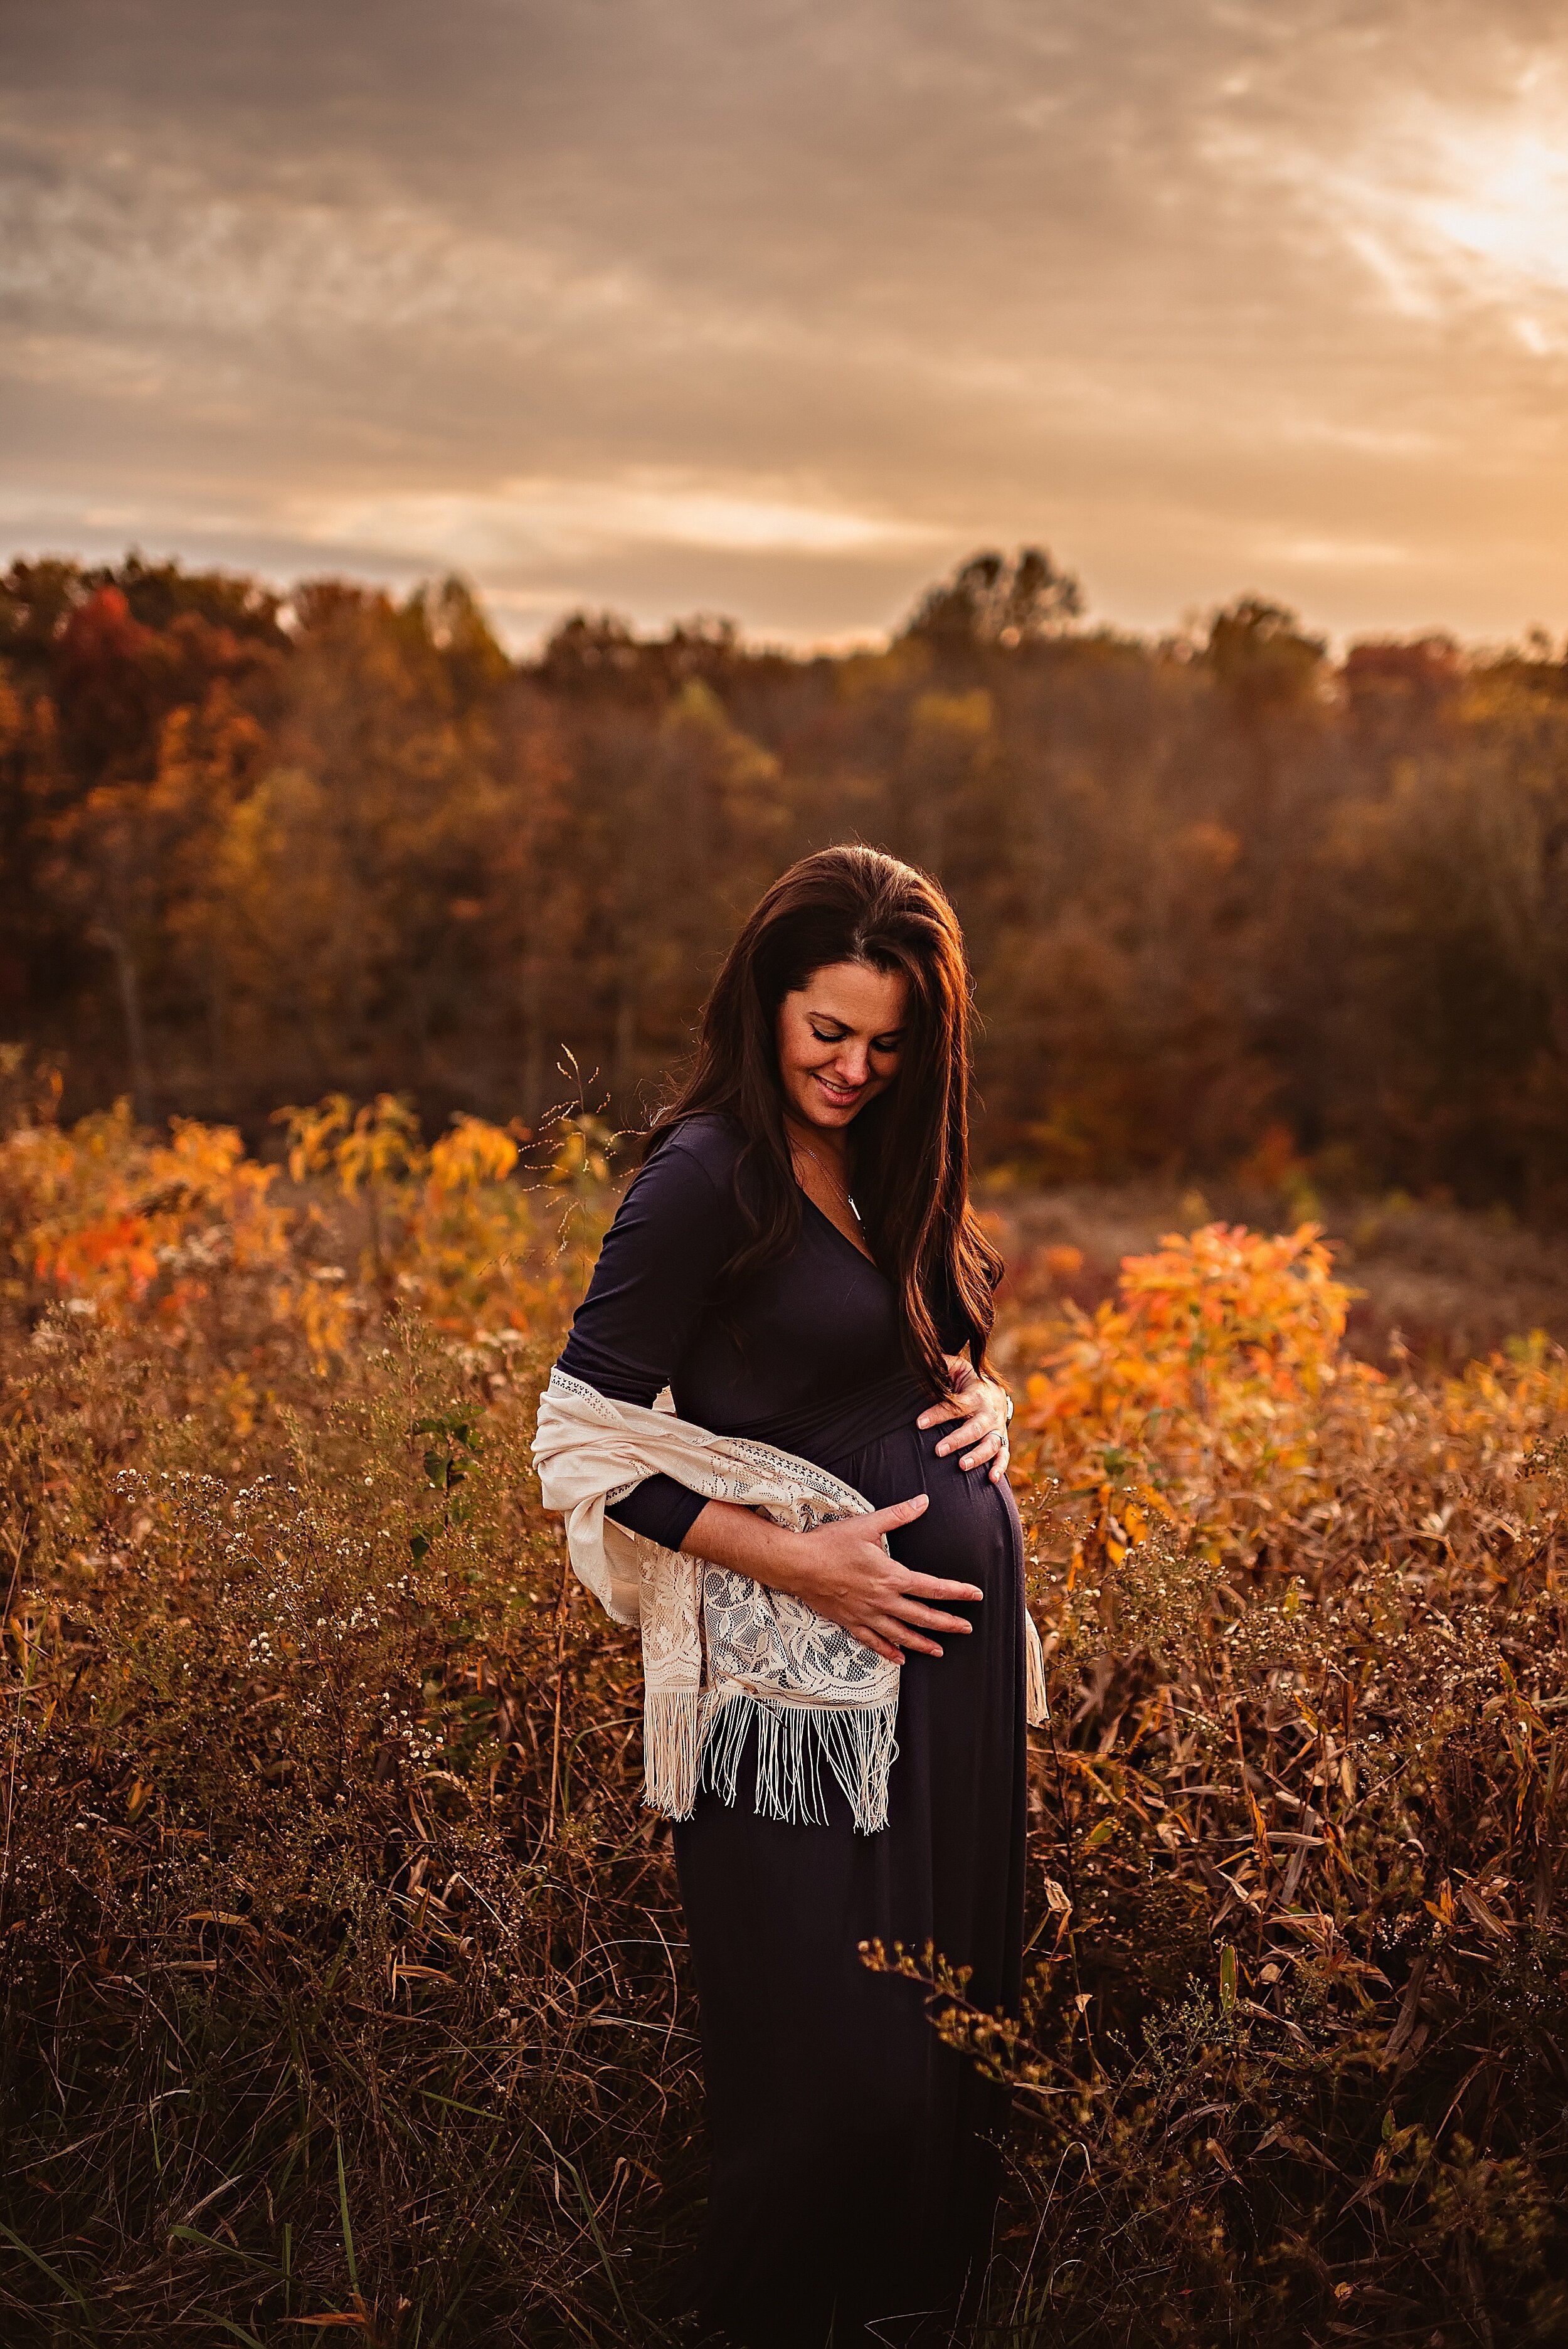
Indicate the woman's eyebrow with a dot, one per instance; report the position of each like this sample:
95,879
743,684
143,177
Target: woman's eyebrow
847,1025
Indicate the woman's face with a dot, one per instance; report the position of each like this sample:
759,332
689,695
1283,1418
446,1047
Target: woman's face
839,1040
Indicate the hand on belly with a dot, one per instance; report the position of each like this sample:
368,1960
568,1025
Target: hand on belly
851,1578
983,1408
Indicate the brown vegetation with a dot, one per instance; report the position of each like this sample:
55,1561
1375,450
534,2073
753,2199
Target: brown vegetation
343,1972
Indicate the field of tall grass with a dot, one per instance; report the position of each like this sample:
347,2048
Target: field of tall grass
343,1970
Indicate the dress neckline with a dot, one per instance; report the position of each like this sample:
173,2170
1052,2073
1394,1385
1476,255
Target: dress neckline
823,1217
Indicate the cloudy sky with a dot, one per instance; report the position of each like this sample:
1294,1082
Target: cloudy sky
774,307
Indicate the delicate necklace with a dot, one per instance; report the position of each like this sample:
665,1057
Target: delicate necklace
840,1187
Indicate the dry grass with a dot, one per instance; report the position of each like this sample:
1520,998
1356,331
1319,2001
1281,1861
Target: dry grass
343,1970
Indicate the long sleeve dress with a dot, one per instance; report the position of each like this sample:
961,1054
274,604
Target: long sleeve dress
853,2154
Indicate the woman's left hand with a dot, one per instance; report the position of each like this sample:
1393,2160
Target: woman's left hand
983,1406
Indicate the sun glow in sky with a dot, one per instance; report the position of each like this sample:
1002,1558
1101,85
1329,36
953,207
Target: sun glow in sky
1508,204
1459,207
667,305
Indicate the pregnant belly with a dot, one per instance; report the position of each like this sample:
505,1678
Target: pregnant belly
950,1704
969,1530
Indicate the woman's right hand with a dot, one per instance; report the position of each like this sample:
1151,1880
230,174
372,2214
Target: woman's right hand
842,1571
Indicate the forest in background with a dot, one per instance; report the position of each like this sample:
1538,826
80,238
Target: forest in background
1224,895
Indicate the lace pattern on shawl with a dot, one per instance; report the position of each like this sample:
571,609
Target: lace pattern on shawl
722,1653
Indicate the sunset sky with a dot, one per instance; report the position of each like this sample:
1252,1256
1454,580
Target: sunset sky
776,307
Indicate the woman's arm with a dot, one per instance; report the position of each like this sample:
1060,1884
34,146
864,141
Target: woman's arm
842,1571
660,1260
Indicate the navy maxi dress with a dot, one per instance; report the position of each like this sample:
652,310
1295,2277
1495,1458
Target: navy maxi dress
853,2154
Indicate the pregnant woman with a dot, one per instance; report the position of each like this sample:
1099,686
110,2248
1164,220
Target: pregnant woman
825,1558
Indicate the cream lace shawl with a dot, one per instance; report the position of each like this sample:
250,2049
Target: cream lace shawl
719,1650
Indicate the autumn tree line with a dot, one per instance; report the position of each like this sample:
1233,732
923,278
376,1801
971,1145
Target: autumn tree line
254,849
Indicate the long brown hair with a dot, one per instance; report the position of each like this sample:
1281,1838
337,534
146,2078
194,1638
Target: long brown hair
910,1146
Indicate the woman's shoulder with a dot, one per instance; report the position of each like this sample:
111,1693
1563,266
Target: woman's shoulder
688,1176
712,1141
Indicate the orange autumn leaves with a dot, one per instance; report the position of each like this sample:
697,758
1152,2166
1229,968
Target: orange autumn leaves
104,1215
1217,1344
1197,1395
1214,1394
109,1221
